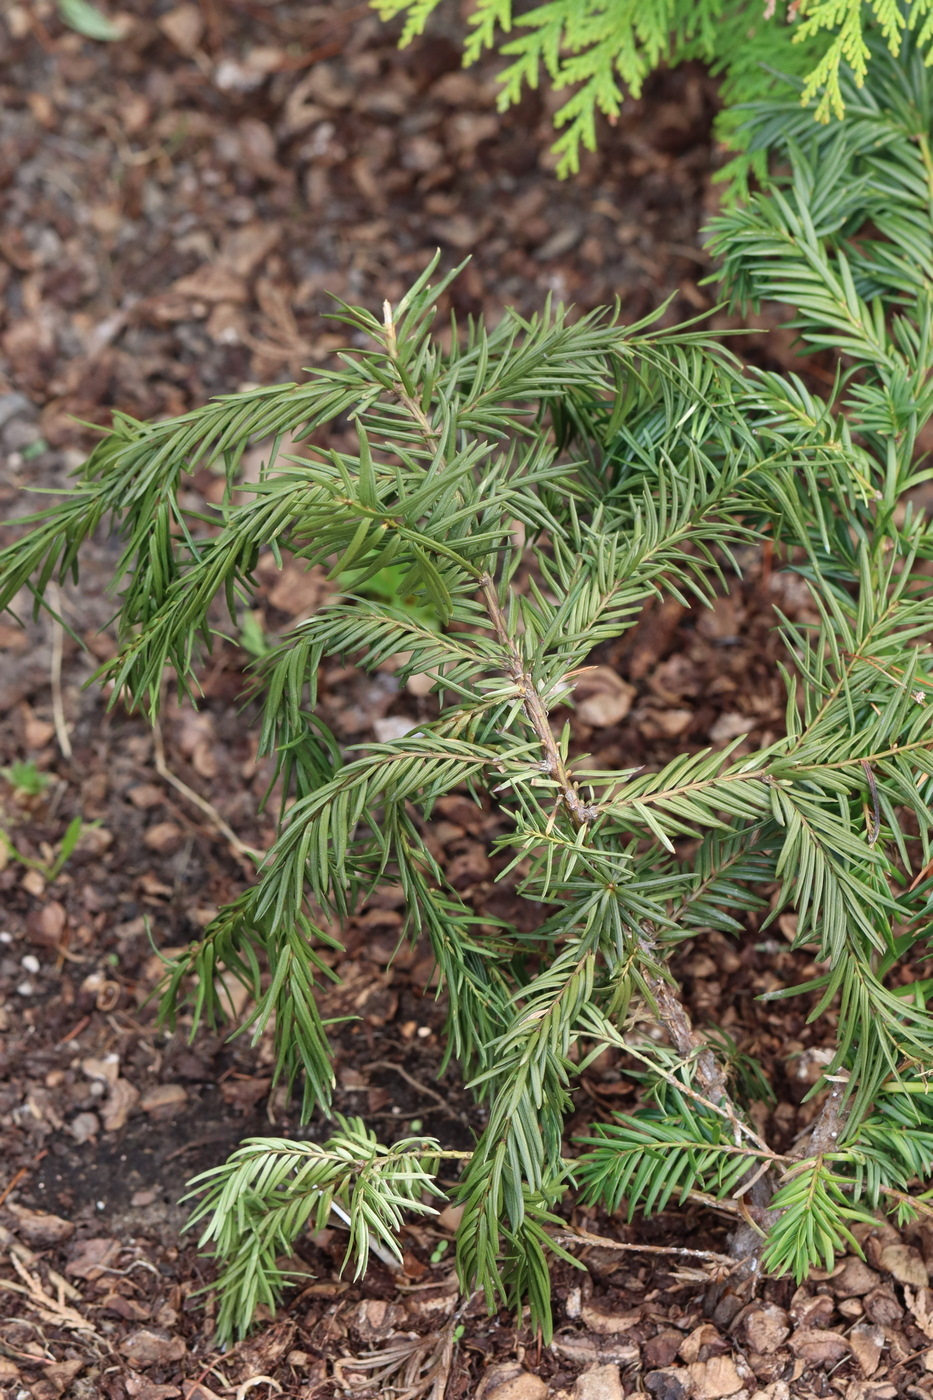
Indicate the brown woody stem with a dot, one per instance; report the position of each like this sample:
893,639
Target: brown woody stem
580,814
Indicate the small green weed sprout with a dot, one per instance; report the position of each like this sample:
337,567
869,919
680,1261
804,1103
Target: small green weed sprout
25,778
50,869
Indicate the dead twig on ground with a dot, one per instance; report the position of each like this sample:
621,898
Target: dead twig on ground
239,847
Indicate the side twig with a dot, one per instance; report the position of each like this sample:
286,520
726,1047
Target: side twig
239,847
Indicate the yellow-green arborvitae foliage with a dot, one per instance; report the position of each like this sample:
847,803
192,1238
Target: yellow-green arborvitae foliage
600,50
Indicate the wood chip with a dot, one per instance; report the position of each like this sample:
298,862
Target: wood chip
38,1227
905,1264
121,1101
183,27
818,1346
164,1101
714,1378
867,1342
607,1322
601,697
766,1328
164,838
152,1347
854,1279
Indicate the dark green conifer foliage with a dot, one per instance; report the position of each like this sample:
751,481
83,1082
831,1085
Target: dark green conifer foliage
636,462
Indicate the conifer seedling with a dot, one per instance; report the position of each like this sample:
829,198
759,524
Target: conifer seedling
534,486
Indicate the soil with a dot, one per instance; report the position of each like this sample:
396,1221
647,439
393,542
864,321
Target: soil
178,209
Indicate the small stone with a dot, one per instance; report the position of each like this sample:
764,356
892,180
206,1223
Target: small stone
149,1347
164,1101
599,1383
84,1127
510,1382
421,684
393,727
230,76
33,883
12,406
45,926
729,725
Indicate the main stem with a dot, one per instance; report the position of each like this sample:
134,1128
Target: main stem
670,1010
580,814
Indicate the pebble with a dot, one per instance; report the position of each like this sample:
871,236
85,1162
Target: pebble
599,1383
393,727
85,1127
12,405
510,1382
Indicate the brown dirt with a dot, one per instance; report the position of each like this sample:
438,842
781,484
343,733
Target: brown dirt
177,209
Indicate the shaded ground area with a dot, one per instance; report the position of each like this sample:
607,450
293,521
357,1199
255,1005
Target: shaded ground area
177,209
